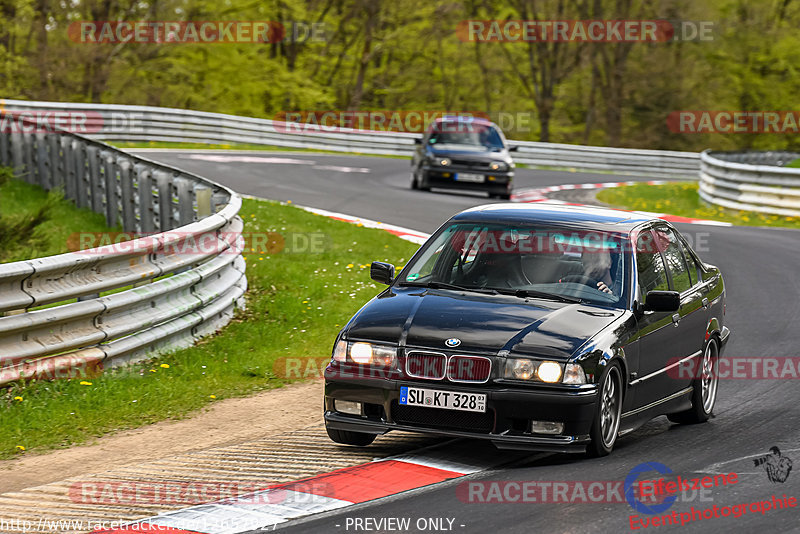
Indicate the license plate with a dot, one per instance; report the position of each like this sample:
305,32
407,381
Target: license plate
449,400
466,177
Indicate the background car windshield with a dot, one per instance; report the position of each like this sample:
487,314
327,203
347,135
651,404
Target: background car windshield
567,262
467,134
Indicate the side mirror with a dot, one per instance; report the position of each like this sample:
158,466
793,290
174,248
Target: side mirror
417,140
513,148
662,301
382,272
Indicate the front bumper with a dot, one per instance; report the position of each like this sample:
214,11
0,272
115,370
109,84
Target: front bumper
506,422
494,182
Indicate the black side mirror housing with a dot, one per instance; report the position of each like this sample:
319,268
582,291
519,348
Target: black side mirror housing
662,301
382,272
513,148
417,140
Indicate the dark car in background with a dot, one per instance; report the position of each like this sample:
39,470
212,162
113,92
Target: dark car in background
463,153
552,328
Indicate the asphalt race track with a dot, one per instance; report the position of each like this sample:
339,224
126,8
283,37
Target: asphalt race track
761,273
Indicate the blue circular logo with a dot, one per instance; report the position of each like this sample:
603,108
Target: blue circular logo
453,342
630,485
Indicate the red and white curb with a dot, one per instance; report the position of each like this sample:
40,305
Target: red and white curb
405,233
542,195
329,491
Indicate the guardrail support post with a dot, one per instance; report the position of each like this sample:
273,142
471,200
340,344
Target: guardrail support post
165,218
203,197
185,201
95,189
144,181
127,198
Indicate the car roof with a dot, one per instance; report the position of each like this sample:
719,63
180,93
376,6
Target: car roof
463,118
585,217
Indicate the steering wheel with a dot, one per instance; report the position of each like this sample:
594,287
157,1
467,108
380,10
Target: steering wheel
581,279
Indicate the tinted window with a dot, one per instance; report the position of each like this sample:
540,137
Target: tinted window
466,134
650,266
693,268
673,255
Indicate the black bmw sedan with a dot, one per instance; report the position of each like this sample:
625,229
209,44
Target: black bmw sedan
463,153
552,328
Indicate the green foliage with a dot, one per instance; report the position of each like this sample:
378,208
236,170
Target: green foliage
383,55
36,223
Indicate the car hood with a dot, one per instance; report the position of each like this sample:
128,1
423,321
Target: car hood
484,323
477,153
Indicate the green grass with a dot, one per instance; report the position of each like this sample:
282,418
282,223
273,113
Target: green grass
238,146
682,199
297,302
35,223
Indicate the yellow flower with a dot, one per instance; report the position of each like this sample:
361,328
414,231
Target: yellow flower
85,383
212,396
288,201
18,399
349,265
305,302
164,365
152,370
20,447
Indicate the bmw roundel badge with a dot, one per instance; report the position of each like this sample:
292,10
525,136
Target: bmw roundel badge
453,342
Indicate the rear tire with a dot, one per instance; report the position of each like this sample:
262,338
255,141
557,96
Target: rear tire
346,437
704,389
414,183
608,413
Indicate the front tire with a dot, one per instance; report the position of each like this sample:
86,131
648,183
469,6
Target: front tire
605,426
346,437
704,389
414,182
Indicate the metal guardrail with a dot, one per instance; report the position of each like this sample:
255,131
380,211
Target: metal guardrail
145,123
181,278
752,181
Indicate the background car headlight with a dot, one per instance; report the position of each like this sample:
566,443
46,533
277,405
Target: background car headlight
573,374
549,372
444,162
498,166
376,355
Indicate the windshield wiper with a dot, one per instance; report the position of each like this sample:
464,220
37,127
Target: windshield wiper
524,293
445,285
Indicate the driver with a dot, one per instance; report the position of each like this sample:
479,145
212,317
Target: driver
597,266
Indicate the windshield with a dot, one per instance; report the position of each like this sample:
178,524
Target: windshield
527,260
479,135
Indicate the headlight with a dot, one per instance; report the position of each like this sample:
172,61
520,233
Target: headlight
549,372
366,354
498,166
444,162
522,369
573,374
340,351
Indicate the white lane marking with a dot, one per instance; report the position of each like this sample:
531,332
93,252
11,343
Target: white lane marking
340,169
220,158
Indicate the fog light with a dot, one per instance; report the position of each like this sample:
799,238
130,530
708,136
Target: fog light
546,427
353,408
